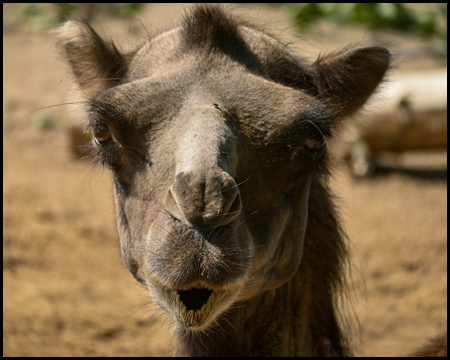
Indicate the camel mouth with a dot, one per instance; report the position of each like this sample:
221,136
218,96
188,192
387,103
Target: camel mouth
194,299
195,308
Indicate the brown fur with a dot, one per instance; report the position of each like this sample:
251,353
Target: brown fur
215,134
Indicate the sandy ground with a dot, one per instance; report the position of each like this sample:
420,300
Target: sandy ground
66,291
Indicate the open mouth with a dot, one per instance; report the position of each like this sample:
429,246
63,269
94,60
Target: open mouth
194,299
194,309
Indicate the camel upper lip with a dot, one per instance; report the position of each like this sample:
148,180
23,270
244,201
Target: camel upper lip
198,285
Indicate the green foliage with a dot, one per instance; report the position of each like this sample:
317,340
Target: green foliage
419,20
424,20
44,16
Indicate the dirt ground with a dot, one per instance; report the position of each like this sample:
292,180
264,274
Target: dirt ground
66,291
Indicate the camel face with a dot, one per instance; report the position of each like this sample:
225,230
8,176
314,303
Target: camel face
214,133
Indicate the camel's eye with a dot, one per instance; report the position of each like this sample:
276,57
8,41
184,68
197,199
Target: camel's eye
315,144
102,135
314,140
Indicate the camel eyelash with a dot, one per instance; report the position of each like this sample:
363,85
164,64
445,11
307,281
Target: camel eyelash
102,149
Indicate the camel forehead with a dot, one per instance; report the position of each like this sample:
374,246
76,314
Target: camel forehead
264,111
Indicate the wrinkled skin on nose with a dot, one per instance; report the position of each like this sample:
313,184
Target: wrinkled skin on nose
204,191
209,198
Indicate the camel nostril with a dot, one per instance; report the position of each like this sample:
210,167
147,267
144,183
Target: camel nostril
236,207
205,198
171,205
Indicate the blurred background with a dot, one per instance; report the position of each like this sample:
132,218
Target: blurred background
65,289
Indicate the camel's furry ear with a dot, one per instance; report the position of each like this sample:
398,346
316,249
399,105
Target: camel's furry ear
349,77
96,64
